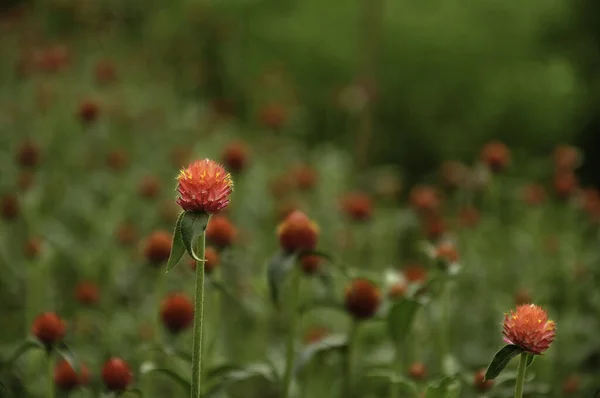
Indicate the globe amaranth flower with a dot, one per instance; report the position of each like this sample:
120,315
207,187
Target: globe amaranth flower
116,374
529,328
177,312
49,329
67,379
362,298
297,233
204,186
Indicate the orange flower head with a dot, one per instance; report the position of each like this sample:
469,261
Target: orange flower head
157,247
297,232
204,186
357,206
415,273
310,264
236,156
306,177
49,329
425,199
566,157
565,184
534,194
88,111
177,312
362,299
28,154
397,290
87,293
529,328
10,207
480,383
149,187
273,116
453,174
417,371
447,252
66,379
495,155
117,159
116,374
221,232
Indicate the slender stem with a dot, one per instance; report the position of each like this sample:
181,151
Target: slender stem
198,318
295,293
50,360
349,360
521,375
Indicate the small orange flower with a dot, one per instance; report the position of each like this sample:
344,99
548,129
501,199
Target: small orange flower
480,383
424,199
117,160
529,328
65,377
48,328
273,116
88,111
306,177
28,154
149,187
417,371
236,156
116,374
310,264
297,233
10,207
158,247
362,299
495,155
357,206
204,186
397,290
177,312
571,385
453,174
221,232
534,194
415,273
87,293
566,158
33,247
446,251
565,184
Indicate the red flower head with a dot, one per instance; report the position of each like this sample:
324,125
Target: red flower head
28,154
305,176
469,217
433,226
480,383
235,156
53,59
88,111
126,234
10,207
204,186
417,371
565,184
415,273
397,290
566,158
534,194
117,160
529,328
357,206
211,257
158,247
116,374
453,174
571,385
33,247
297,232
48,328
221,232
310,264
495,155
362,299
67,379
425,199
273,116
447,252
87,293
105,72
315,334
177,312
149,187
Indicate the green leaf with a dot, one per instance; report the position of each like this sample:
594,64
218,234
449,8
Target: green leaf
327,344
65,353
279,266
317,253
149,367
501,359
401,318
448,387
26,346
177,247
193,225
226,377
530,359
134,391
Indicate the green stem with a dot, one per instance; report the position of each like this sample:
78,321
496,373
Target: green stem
198,318
521,375
349,360
50,359
295,293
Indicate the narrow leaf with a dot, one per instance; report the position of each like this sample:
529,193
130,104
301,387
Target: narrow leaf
193,225
20,351
325,345
65,353
279,266
177,247
530,359
228,377
149,367
501,359
317,253
401,318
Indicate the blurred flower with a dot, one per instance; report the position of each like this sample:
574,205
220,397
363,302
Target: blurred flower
177,312
87,293
211,257
589,201
315,334
424,199
310,264
415,273
204,186
105,72
117,159
126,234
116,375
357,206
221,232
236,156
387,186
25,180
297,233
33,247
28,154
534,194
157,247
495,155
305,176
49,329
397,290
417,371
529,328
552,244
52,59
447,252
565,184
65,377
149,187
433,226
88,111
453,174
480,383
10,207
362,299
522,296
282,185
273,116
566,158
469,217
571,384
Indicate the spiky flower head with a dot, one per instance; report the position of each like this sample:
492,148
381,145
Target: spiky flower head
529,328
297,232
204,186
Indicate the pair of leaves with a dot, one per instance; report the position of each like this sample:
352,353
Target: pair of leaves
502,358
188,228
401,318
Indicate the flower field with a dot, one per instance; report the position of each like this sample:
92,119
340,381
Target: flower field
156,242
